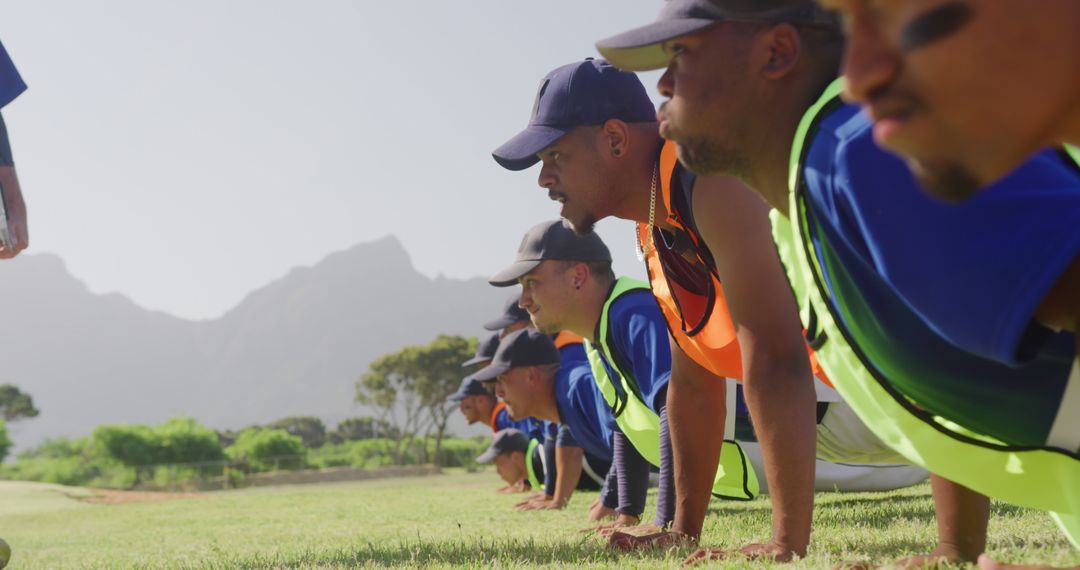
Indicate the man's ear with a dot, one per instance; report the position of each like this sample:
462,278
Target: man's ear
615,137
783,45
579,275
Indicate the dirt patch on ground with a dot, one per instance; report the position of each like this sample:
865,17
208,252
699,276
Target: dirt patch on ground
114,497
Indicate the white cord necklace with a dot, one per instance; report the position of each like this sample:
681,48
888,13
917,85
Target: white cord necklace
652,215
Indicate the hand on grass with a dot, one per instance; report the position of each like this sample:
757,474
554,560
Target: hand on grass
620,522
642,537
768,551
599,512
546,503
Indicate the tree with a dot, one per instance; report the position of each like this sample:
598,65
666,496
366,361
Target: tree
389,385
310,429
439,364
15,404
265,449
355,429
410,388
179,440
184,440
132,445
5,442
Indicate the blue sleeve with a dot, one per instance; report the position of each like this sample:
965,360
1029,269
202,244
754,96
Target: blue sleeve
640,336
565,438
975,272
609,493
632,476
11,83
551,472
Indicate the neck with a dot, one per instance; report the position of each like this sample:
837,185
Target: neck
768,173
548,404
587,315
637,182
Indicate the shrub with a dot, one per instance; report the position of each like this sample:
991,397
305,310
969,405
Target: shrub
266,449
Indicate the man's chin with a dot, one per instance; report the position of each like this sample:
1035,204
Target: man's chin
582,225
946,181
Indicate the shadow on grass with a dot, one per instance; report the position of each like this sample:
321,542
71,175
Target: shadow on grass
455,553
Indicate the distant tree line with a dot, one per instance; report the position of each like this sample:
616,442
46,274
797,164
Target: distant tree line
408,390
180,449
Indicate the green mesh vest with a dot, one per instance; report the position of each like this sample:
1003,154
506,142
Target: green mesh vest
735,477
1034,477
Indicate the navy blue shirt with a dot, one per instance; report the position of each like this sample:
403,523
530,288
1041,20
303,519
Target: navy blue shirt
940,298
581,406
529,426
639,341
11,83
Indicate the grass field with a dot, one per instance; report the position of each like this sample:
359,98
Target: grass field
451,520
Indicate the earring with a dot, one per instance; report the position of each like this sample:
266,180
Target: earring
616,151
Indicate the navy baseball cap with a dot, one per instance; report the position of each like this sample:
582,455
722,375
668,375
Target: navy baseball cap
506,440
485,350
641,49
583,93
526,347
469,387
512,313
551,240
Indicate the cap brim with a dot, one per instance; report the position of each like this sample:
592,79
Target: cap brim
491,371
456,397
642,49
474,360
510,275
519,152
487,456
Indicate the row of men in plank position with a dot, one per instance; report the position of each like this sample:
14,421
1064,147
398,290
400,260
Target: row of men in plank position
865,213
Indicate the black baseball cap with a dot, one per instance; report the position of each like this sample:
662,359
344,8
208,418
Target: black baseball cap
641,49
485,350
469,387
506,440
526,347
512,313
551,240
586,92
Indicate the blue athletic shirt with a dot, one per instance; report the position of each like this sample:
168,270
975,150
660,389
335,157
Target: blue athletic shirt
528,426
11,83
581,406
938,297
640,338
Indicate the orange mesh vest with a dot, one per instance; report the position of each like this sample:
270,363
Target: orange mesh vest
698,318
499,405
564,338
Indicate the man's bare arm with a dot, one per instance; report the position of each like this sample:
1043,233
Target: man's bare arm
779,389
568,461
697,410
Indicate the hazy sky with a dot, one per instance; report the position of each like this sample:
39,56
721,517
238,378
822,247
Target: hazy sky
186,153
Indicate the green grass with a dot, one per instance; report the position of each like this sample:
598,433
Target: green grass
446,521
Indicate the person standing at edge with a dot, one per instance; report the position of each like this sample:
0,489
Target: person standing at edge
965,91
14,208
757,97
607,119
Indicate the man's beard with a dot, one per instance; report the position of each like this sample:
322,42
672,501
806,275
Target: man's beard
708,158
947,181
584,226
